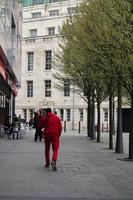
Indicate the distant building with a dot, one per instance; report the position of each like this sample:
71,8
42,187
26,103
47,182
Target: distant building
42,20
10,56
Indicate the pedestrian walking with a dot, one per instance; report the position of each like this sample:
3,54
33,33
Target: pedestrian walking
31,122
16,126
52,132
36,125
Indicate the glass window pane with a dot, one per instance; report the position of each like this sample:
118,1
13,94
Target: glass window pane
33,32
30,60
48,60
68,115
29,88
51,30
54,12
47,88
36,14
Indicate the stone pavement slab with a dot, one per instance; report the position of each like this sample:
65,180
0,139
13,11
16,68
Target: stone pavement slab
86,170
49,198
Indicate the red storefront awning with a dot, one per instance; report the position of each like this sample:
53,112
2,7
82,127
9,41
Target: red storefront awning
3,70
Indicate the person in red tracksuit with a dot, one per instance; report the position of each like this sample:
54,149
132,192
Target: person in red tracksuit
52,132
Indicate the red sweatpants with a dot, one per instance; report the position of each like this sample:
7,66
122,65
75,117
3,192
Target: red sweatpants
54,140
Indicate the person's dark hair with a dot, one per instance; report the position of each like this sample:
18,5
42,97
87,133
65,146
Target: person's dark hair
55,112
48,110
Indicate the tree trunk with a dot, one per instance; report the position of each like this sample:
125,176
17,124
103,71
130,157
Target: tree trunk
131,130
119,137
110,122
113,117
89,116
93,134
98,122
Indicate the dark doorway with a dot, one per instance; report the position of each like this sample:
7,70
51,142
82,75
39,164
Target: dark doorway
125,119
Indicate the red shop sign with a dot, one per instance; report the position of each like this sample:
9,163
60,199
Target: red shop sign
2,70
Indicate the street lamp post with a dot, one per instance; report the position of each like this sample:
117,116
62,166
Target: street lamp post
73,119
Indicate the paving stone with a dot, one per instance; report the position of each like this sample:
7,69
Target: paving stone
86,170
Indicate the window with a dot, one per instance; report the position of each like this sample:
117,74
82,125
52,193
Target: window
2,100
3,11
71,10
68,115
48,60
54,12
106,115
81,114
36,2
30,60
47,88
29,88
51,30
36,14
33,32
66,87
61,114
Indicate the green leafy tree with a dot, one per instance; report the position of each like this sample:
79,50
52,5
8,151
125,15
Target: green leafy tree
97,55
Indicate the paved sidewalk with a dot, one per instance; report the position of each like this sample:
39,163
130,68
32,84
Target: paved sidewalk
86,170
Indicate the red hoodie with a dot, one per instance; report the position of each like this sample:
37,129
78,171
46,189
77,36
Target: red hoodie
51,124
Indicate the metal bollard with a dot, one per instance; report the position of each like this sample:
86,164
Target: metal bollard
102,127
79,126
64,126
107,128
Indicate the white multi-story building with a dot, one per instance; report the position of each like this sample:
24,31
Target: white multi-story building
40,40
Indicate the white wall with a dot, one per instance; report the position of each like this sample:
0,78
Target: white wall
39,73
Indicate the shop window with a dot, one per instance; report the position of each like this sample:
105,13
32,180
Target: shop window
2,100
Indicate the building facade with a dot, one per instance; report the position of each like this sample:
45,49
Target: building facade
42,21
10,56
